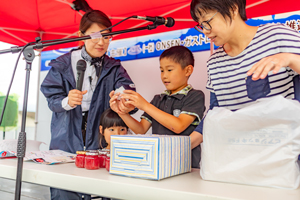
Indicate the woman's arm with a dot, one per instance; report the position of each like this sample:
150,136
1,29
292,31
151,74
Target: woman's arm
274,63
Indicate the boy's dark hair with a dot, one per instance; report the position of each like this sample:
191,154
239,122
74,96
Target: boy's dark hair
94,16
108,119
180,55
222,6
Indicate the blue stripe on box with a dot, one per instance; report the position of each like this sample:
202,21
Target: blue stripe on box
159,174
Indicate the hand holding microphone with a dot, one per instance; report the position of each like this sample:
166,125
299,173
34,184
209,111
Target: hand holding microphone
75,96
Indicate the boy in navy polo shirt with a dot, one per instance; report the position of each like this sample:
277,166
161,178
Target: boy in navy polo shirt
176,111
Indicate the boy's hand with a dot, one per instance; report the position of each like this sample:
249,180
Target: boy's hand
118,105
125,108
134,99
113,102
75,97
111,94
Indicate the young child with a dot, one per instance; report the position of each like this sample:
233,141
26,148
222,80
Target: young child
110,124
249,58
176,111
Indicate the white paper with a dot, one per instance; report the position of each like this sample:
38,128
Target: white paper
120,90
50,157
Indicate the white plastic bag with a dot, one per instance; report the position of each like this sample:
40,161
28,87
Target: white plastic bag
12,144
257,145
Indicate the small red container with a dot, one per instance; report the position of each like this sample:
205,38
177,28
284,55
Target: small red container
92,160
80,159
107,162
102,157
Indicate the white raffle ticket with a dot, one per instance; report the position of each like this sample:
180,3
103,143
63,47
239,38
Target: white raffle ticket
122,88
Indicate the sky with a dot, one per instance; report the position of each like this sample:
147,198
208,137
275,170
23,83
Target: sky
7,63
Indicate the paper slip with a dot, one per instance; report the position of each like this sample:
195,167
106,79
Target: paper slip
50,157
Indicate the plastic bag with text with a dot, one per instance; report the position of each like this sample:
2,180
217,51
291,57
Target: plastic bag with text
257,145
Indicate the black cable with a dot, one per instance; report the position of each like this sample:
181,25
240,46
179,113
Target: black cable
90,80
133,16
11,82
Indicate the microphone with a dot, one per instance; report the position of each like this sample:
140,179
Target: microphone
80,67
169,22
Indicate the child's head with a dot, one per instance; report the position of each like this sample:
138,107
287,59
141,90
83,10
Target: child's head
180,55
92,22
176,66
111,124
219,20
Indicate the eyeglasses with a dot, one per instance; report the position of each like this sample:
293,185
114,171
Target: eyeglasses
204,25
106,39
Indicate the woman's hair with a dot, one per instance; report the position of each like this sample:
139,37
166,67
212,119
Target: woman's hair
180,55
222,6
109,118
94,16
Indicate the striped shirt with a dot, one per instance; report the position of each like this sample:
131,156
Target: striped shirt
227,75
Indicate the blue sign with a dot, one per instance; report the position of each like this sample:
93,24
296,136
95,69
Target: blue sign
47,56
153,45
292,21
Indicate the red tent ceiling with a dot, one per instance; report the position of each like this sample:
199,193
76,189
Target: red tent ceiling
23,20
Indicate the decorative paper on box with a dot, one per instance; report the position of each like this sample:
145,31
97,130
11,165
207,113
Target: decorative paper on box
150,157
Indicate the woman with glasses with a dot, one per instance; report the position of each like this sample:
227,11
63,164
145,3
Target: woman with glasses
76,114
251,62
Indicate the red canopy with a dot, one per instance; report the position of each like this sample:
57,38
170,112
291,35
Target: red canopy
23,20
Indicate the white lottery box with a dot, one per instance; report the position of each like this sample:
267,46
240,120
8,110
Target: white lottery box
150,157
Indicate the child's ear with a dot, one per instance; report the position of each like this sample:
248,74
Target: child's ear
189,70
79,33
101,129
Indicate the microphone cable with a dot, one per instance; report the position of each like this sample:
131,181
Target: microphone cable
12,78
90,80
